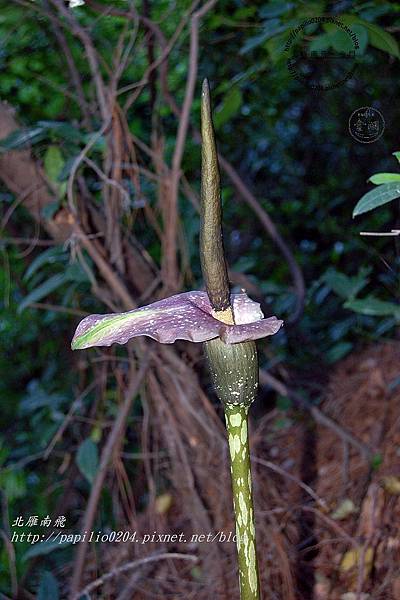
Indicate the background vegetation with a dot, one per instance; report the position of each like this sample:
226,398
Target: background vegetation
99,176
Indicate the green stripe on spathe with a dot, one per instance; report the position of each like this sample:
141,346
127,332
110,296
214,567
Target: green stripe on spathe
95,334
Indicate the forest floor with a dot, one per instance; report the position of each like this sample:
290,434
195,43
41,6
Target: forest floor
348,545
328,518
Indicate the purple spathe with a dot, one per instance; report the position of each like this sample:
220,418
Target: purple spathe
186,316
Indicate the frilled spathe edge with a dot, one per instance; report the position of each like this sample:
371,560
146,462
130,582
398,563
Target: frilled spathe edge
186,316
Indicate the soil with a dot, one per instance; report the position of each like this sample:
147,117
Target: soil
328,522
348,546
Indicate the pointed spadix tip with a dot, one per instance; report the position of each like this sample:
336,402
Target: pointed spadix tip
205,87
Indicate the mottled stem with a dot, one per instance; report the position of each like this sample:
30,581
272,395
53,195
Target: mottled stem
234,372
234,367
236,425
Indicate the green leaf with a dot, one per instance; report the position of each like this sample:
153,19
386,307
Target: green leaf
320,42
37,397
66,170
229,107
373,307
274,9
344,286
338,282
13,484
95,434
270,28
338,351
99,145
275,47
43,548
281,423
397,155
72,273
49,210
376,197
362,37
22,138
48,587
341,41
378,37
376,461
87,459
50,256
75,273
54,167
379,178
28,136
283,403
4,453
43,290
382,40
244,264
62,130
372,13
53,163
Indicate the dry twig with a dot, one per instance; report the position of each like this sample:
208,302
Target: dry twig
116,433
130,566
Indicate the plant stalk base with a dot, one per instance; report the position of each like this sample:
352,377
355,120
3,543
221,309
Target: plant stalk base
236,424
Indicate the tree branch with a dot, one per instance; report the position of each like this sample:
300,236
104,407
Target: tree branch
170,208
316,413
113,439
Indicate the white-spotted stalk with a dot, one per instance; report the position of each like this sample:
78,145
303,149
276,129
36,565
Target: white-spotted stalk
233,367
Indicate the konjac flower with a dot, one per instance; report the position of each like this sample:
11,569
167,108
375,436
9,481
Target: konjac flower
228,324
187,316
